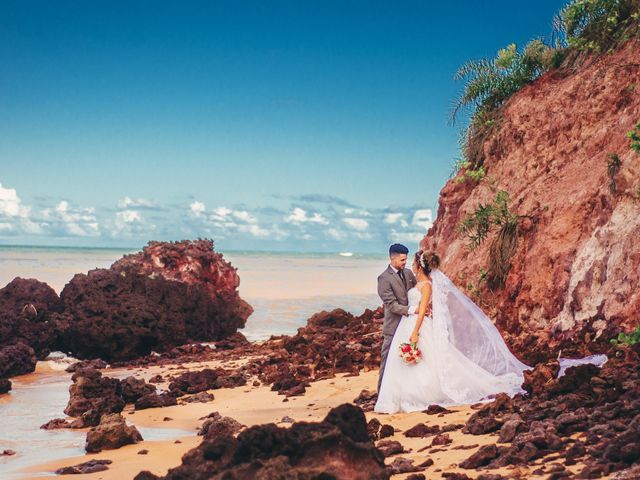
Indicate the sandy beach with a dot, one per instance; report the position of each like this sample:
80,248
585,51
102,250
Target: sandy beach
260,405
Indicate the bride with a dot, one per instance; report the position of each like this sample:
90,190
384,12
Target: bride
464,358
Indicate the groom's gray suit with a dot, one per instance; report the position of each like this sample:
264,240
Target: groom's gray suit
393,292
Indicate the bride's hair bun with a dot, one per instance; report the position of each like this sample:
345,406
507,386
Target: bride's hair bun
433,260
427,260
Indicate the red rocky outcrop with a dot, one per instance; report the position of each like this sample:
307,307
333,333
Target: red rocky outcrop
26,310
169,294
573,278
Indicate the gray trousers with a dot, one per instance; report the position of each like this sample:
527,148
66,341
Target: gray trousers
386,345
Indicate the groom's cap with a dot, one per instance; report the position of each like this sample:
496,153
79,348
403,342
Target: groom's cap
398,248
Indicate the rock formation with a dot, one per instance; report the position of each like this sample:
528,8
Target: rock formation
338,447
573,276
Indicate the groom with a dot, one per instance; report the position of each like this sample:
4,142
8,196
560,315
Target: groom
393,285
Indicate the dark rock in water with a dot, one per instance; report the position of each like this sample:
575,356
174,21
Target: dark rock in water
134,388
112,432
55,424
92,395
169,294
8,453
26,309
155,400
5,385
96,363
91,466
156,379
216,425
328,449
17,359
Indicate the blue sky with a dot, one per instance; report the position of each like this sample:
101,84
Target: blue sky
300,125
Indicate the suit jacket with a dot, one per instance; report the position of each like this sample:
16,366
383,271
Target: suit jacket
393,293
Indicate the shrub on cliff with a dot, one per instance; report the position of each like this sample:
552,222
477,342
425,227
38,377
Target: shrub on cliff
597,25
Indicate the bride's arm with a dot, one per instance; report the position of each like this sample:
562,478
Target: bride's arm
422,311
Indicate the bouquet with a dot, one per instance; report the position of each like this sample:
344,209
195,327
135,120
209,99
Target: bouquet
409,353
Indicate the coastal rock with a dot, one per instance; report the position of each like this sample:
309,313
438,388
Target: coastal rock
56,424
202,397
17,359
328,449
5,385
216,425
390,447
169,294
536,380
134,388
422,430
402,465
571,284
112,432
26,306
366,400
96,363
195,382
155,400
91,395
84,468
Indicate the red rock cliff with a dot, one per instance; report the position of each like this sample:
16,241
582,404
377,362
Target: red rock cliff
574,280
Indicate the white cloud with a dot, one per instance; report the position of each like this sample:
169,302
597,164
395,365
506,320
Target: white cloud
355,211
221,213
336,234
127,202
407,237
128,216
245,216
299,216
423,218
392,218
197,208
254,230
358,224
131,222
63,219
11,205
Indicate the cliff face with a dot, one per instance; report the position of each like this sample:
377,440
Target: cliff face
575,274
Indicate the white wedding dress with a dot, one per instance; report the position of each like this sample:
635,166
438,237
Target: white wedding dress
464,358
